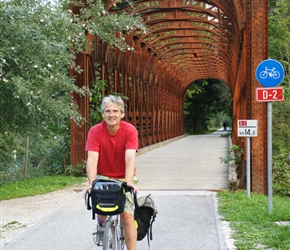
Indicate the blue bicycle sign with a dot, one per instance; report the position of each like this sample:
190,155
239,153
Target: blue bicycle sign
270,73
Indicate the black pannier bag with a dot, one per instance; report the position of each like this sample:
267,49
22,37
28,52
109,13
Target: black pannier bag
108,197
145,213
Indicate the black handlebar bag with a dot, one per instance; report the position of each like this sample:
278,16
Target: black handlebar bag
108,197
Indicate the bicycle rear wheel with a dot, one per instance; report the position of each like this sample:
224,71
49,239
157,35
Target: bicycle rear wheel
109,238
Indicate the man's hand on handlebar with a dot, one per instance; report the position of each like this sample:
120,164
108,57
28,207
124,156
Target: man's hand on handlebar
87,189
131,185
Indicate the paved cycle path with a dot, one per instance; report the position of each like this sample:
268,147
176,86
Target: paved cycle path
180,175
185,163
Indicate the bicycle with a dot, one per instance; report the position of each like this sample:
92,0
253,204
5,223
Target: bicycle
113,236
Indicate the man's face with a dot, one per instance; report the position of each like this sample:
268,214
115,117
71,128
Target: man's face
112,114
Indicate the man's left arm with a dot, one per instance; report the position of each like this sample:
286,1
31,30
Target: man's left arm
130,155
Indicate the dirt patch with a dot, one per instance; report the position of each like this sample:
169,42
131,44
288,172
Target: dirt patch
17,215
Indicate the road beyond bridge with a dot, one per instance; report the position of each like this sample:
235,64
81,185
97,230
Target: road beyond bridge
180,174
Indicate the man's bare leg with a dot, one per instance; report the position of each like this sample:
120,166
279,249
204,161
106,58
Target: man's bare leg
130,230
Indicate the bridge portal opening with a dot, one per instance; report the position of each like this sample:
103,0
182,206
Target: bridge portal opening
208,105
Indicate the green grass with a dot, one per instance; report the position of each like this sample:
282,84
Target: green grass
35,186
254,227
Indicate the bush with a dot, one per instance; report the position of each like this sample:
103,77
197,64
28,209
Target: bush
281,176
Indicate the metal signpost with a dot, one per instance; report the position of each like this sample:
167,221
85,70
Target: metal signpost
248,128
270,73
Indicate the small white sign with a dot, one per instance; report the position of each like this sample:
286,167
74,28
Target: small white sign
247,128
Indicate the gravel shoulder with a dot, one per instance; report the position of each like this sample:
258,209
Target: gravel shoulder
18,215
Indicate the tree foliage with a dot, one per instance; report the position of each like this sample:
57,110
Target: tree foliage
112,28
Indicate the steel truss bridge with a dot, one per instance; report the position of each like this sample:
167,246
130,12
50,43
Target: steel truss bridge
186,40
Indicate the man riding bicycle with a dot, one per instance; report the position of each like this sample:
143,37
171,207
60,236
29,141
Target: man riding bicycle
111,147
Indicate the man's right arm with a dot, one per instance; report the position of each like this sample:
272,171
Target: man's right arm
91,167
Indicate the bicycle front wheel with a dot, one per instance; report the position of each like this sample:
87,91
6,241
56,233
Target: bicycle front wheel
109,239
121,239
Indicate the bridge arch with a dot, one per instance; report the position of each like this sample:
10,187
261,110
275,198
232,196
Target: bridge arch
187,40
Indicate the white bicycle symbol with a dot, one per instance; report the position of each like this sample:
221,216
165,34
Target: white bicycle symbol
270,72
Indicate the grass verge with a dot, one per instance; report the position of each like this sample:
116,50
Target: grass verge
253,227
35,186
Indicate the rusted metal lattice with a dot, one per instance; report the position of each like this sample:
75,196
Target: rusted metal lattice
187,40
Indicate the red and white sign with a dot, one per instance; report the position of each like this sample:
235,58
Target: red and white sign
247,128
270,94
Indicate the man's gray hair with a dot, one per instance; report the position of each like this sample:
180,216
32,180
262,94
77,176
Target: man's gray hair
113,99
